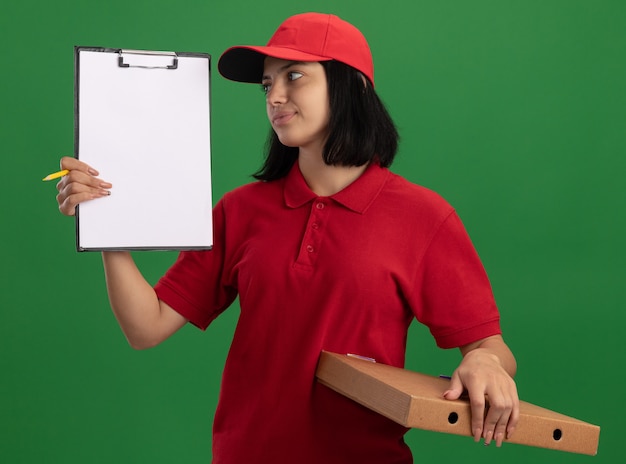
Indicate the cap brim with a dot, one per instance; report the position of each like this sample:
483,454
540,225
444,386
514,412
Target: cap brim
245,63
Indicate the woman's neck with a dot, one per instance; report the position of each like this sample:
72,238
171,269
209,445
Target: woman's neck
325,180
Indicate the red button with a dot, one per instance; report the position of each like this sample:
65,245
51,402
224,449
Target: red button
310,248
320,206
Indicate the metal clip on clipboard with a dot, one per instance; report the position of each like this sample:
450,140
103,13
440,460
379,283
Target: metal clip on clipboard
140,59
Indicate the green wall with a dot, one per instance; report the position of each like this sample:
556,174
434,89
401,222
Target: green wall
514,111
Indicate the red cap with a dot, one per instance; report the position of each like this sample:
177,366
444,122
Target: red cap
303,37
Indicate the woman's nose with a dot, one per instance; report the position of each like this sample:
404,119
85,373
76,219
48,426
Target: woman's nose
276,95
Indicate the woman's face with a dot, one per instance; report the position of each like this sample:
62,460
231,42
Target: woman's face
297,102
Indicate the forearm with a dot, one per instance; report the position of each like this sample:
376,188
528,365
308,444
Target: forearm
133,300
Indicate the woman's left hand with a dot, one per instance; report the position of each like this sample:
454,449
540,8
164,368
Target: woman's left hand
486,373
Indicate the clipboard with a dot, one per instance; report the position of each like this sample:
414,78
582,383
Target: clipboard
142,119
416,400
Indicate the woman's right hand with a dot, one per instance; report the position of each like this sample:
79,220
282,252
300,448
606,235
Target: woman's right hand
81,184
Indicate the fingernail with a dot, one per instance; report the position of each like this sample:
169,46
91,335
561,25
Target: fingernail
92,171
488,437
105,185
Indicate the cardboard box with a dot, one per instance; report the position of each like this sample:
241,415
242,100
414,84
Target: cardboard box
416,400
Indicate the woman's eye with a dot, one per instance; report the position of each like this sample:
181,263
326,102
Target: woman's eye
293,75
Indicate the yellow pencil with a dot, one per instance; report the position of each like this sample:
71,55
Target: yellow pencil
56,175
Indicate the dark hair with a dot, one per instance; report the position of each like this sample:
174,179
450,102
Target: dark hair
361,129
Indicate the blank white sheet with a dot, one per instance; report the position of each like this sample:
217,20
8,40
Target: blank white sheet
147,131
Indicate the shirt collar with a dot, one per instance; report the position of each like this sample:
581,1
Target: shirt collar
357,196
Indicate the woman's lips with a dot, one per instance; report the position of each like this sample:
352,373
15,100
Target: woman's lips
280,119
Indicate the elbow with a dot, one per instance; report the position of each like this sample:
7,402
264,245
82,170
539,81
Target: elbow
140,346
141,343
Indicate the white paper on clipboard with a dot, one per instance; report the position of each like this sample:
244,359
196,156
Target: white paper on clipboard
142,119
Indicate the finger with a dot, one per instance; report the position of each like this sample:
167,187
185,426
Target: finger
500,430
71,164
68,204
477,407
77,182
75,193
513,420
78,177
489,425
500,407
455,389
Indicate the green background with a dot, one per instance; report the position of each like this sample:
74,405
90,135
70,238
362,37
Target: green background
514,111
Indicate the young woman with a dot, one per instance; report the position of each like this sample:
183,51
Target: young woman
328,250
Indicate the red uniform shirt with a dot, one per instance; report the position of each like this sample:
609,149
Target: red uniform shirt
345,273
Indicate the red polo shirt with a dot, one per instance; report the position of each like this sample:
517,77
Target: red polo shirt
345,273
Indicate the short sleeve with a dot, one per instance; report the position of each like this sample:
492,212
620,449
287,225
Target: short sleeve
195,286
454,298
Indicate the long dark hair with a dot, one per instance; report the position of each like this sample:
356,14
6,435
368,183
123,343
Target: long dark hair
361,129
